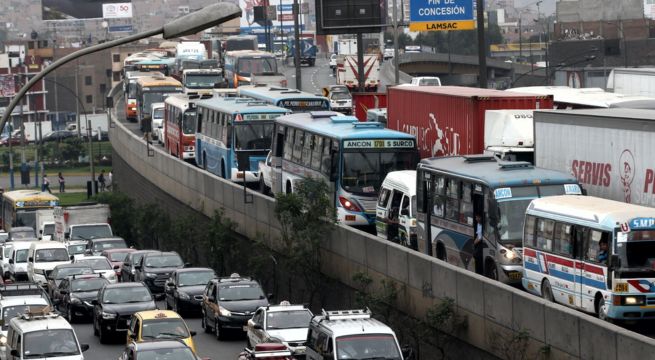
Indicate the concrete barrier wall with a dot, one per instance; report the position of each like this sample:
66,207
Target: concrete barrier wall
496,313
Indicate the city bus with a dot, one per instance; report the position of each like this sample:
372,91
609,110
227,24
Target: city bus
162,65
592,254
352,157
241,65
180,125
153,89
19,207
452,191
129,91
234,131
294,100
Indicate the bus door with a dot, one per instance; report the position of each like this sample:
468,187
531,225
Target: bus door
277,148
404,219
594,267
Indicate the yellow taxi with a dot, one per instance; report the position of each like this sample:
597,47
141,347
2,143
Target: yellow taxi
159,325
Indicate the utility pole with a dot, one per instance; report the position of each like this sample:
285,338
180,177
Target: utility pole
482,46
360,63
93,173
77,95
296,42
395,44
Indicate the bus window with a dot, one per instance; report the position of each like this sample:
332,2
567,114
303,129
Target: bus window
316,153
528,236
598,246
307,150
326,166
297,147
466,205
438,199
384,198
288,144
404,206
452,202
545,234
563,240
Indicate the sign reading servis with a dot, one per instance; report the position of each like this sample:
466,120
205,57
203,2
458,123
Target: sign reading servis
378,144
438,15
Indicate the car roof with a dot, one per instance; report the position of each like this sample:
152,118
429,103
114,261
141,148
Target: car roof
107,239
159,344
119,250
76,242
282,308
162,253
21,245
344,327
48,245
193,269
71,265
157,314
94,257
125,285
51,321
21,228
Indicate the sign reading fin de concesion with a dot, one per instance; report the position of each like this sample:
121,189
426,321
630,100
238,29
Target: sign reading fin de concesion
438,15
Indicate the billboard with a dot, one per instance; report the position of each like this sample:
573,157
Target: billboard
75,9
350,16
435,15
117,11
283,10
7,86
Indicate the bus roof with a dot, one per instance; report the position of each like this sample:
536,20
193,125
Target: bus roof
587,97
496,173
249,53
338,126
180,101
273,94
158,80
30,195
137,74
609,213
242,105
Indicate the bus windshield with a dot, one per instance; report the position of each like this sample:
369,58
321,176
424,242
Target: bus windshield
150,98
131,89
364,171
26,218
201,81
189,123
512,216
638,252
252,136
257,66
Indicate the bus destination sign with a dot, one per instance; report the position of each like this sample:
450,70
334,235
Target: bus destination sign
379,144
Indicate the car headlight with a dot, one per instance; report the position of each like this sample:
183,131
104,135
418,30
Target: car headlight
75,300
151,275
223,311
108,316
183,296
3,340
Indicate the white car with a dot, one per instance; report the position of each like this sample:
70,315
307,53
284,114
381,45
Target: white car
265,175
333,61
18,260
285,323
426,81
42,258
100,265
5,255
76,248
14,306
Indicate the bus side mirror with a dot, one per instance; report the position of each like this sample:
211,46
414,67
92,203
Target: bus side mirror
615,262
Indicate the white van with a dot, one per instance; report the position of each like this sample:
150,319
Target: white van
5,255
34,333
395,213
42,258
347,334
157,111
18,260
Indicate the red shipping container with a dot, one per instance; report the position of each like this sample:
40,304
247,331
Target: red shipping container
449,120
366,100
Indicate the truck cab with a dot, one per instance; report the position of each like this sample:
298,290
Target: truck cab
202,81
508,135
426,81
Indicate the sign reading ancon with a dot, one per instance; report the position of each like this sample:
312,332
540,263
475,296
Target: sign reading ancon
437,15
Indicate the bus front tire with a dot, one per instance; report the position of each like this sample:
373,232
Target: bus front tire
547,291
601,308
223,169
204,161
289,189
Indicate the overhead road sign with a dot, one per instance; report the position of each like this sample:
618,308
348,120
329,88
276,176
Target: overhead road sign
438,15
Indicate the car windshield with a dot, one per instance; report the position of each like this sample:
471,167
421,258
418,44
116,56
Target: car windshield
22,234
63,273
9,312
21,255
257,66
202,81
7,251
164,329
76,249
118,255
123,295
250,136
194,278
96,264
638,252
49,255
189,123
162,261
48,229
181,353
368,346
87,232
109,244
429,82
83,285
26,218
39,344
240,292
363,172
158,114
288,319
341,96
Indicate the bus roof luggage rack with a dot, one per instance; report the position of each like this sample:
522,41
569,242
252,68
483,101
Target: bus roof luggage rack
515,165
367,124
347,314
322,114
478,158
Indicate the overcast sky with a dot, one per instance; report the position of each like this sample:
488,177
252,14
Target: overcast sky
547,6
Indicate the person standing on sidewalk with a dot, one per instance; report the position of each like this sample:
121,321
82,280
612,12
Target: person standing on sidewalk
45,184
101,180
62,183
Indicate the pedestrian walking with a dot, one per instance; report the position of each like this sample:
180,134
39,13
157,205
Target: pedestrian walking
110,179
101,180
45,184
62,183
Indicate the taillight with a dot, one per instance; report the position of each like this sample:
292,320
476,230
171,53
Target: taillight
349,205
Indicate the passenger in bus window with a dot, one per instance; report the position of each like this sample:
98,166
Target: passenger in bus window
602,250
477,245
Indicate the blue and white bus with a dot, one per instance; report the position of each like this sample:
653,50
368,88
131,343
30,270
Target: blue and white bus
451,191
233,131
352,157
294,100
592,254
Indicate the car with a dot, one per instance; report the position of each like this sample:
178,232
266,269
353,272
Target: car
24,290
157,325
114,306
155,268
4,236
426,81
76,248
341,101
97,246
388,54
128,273
22,233
265,175
58,135
229,302
14,306
14,140
165,349
100,265
284,323
61,272
333,61
18,260
76,294
273,351
32,333
184,289
116,257
5,255
42,258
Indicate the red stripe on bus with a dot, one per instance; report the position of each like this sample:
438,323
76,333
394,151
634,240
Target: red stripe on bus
529,252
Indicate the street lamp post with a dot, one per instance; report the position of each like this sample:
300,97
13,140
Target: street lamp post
207,17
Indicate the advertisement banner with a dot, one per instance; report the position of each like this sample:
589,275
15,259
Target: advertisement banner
117,11
283,11
76,9
7,86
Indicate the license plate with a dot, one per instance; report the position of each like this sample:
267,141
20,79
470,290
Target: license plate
515,275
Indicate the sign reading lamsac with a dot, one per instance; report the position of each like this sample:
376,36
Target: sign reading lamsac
82,9
438,15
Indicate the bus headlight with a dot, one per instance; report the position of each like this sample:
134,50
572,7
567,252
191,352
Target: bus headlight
634,300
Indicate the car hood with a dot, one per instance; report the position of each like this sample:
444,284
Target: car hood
72,357
289,335
86,295
192,290
161,270
128,309
244,306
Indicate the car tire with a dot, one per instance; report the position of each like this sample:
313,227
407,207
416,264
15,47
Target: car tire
69,315
204,325
95,326
218,331
103,336
176,307
262,186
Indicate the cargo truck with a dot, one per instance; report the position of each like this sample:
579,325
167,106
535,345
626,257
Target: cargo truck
82,222
610,151
307,51
509,135
632,81
449,120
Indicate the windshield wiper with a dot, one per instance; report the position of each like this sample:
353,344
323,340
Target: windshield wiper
50,354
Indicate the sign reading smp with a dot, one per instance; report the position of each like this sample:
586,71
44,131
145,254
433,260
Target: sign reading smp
437,15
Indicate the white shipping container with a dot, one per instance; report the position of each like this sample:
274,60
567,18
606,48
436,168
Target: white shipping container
609,151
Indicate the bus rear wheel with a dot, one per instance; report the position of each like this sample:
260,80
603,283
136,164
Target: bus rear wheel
547,291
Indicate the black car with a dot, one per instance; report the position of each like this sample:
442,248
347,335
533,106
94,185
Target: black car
58,135
160,349
133,259
228,303
115,305
185,287
77,293
61,272
154,269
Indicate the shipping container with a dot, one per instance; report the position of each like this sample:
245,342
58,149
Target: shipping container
362,102
449,120
610,151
